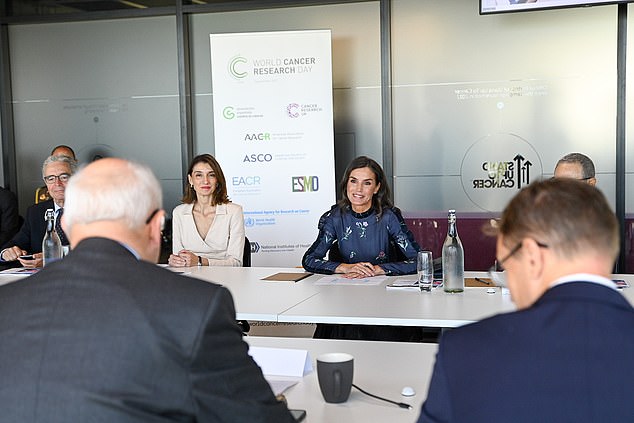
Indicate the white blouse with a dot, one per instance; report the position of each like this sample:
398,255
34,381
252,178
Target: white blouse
224,243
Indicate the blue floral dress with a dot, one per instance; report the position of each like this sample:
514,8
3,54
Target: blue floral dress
361,237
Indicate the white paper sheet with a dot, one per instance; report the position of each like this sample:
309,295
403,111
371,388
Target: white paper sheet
338,280
282,361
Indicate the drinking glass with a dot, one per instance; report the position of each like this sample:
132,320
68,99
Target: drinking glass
425,269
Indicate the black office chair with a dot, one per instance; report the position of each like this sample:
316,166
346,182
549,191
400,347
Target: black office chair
246,254
246,262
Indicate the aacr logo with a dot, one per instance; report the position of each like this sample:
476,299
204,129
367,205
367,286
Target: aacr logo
262,136
305,183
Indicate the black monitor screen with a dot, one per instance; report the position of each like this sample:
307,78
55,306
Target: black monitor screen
500,6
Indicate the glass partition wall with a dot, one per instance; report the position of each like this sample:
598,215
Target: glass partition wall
481,105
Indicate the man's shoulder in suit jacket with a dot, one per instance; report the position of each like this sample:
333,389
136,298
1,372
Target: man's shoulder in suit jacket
566,358
30,235
103,337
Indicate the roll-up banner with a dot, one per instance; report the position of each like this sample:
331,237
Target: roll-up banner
273,132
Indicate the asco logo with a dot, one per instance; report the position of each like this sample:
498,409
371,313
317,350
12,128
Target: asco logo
305,183
257,158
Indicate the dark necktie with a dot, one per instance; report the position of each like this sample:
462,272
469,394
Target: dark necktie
58,227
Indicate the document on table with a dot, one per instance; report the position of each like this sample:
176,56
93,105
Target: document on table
404,284
20,271
339,280
282,367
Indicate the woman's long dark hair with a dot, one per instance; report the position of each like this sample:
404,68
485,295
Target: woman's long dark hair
382,199
219,195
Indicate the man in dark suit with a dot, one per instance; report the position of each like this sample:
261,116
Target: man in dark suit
106,335
566,354
9,216
56,171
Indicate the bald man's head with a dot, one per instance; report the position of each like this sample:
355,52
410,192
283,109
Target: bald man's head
112,196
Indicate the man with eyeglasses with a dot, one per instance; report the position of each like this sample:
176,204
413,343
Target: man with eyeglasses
26,245
576,166
566,354
106,335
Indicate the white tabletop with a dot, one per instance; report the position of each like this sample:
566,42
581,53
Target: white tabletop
306,302
378,306
381,368
254,298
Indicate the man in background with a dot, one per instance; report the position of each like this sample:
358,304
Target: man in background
56,171
576,166
42,193
9,216
566,354
105,335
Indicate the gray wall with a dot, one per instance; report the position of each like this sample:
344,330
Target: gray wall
110,88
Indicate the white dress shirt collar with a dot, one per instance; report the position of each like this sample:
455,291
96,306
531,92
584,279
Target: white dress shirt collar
584,277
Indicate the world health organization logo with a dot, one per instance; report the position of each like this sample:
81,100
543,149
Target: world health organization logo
236,64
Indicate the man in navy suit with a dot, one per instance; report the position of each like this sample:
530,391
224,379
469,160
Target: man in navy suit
106,335
566,354
56,171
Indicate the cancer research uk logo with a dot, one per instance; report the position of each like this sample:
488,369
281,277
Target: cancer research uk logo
295,110
495,167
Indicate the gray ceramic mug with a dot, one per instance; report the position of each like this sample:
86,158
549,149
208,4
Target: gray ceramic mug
335,371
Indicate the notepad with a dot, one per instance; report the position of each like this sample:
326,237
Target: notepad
282,361
287,277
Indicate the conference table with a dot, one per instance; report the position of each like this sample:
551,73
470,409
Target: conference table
308,301
380,368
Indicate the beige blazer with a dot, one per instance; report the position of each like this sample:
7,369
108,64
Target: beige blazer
224,243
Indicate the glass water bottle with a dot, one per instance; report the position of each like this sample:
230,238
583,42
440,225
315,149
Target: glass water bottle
452,258
51,245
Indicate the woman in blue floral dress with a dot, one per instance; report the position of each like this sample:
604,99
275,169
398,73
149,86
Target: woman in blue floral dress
371,239
371,235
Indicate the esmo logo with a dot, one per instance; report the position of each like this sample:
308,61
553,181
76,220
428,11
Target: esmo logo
305,183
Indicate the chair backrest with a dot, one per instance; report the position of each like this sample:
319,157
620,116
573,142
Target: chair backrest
246,255
41,195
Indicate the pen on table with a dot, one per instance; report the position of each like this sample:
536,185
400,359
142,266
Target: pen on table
483,281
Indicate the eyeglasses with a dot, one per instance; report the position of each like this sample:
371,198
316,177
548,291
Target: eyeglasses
62,177
151,216
496,272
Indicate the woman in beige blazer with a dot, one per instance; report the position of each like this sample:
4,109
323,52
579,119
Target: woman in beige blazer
207,229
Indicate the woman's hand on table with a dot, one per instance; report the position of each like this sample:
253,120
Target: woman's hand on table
184,258
359,270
